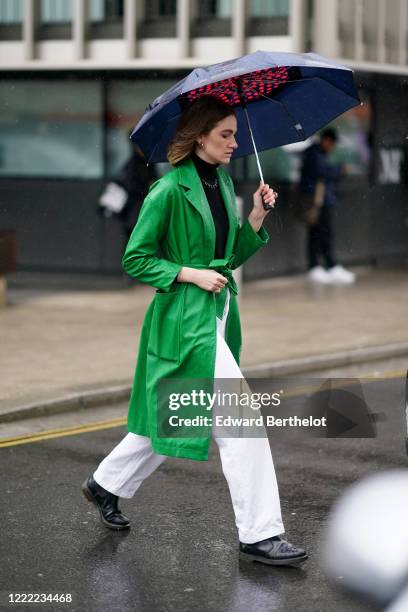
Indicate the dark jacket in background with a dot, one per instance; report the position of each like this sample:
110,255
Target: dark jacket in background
136,178
316,167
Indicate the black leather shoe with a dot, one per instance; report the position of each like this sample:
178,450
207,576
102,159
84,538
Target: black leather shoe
272,551
107,504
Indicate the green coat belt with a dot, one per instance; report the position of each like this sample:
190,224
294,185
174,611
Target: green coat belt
179,333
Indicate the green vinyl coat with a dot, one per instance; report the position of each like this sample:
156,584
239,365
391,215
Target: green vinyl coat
179,334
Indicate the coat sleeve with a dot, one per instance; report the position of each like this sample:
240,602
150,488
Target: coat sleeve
247,241
140,258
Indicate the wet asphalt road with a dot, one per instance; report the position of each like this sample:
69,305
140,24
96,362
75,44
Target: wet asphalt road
181,552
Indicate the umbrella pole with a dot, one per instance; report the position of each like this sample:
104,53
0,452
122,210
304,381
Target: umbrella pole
266,206
254,145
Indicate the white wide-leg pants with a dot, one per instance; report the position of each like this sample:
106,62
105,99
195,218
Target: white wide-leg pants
246,463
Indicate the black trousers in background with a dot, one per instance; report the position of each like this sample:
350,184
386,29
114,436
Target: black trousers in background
320,240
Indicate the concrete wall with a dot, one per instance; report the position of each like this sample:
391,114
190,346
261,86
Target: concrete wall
58,227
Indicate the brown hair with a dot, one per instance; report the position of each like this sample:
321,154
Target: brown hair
198,118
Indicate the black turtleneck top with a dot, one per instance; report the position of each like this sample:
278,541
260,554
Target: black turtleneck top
208,172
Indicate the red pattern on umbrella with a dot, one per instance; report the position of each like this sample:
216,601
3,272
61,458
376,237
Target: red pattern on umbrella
245,87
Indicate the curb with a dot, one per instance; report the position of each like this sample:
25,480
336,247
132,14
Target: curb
116,394
73,402
328,360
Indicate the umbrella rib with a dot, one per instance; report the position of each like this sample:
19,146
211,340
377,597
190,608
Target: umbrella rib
153,152
288,114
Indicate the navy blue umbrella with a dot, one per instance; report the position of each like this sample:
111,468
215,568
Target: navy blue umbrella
279,98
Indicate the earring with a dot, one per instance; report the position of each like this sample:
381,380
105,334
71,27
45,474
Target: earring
201,144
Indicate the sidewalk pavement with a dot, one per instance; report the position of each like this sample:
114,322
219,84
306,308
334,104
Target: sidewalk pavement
68,349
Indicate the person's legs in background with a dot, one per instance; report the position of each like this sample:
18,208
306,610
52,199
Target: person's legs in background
312,246
337,274
321,244
326,236
317,273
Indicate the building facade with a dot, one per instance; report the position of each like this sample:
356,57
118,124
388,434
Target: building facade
76,75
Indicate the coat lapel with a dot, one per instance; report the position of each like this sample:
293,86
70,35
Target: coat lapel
230,204
195,194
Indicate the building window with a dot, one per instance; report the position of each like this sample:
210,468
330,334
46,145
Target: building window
269,17
269,8
213,18
160,19
56,11
106,19
155,9
215,8
55,20
354,148
11,11
59,134
126,103
11,17
106,10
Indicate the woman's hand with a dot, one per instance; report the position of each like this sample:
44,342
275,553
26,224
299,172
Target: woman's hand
266,194
209,280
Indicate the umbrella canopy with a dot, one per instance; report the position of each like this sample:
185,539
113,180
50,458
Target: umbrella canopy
279,98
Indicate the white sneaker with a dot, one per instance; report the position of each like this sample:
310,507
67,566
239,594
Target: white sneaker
341,276
319,275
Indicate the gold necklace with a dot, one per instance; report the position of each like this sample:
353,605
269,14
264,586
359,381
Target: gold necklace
210,185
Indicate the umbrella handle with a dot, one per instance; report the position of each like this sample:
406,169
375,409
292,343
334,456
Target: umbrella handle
264,204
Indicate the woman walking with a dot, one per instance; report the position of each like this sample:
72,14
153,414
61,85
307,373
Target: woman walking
192,328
